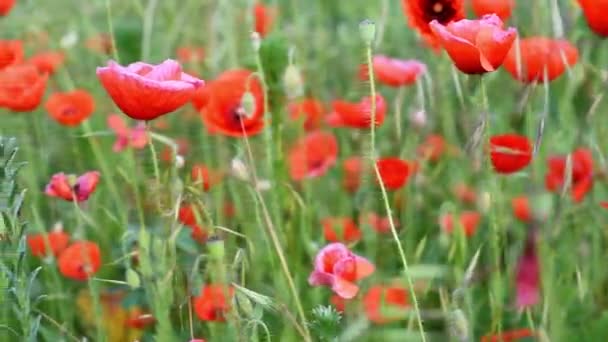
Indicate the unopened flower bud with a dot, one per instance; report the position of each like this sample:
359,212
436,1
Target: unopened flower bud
367,29
256,41
238,169
263,185
293,82
69,39
248,105
418,119
485,201
179,161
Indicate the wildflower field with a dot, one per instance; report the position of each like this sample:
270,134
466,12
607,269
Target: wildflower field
304,170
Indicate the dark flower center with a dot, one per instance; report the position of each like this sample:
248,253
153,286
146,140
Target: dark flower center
69,111
441,10
236,115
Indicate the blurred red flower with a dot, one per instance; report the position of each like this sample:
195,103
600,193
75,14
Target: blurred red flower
394,172
190,54
338,302
379,297
394,72
465,194
310,109
222,107
352,169
468,221
139,319
47,62
11,52
21,88
501,8
510,153
100,43
421,12
313,155
528,274
380,224
521,208
188,217
144,91
509,335
340,229
582,173
80,260
433,148
475,46
135,137
357,115
530,58
205,177
213,303
339,268
71,188
6,6
595,13
70,108
55,242
263,16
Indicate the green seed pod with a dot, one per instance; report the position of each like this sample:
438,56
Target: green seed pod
293,82
367,29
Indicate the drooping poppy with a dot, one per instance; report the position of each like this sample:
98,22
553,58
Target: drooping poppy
313,155
47,62
226,109
135,137
80,260
21,88
190,54
509,335
340,229
139,319
6,6
11,52
379,297
433,148
188,217
205,177
465,193
521,208
213,303
595,13
393,172
582,173
527,281
394,72
337,267
530,58
475,46
421,12
352,170
54,242
263,16
357,115
310,109
501,8
468,221
70,187
70,108
510,153
144,91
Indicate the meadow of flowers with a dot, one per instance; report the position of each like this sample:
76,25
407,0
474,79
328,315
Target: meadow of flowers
314,170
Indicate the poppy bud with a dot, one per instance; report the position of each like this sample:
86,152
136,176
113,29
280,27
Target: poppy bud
132,278
247,105
256,41
238,169
485,201
179,161
216,249
418,119
263,185
69,40
367,29
292,81
459,325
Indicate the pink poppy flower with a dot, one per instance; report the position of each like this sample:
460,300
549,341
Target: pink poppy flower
339,268
70,188
144,91
136,137
528,275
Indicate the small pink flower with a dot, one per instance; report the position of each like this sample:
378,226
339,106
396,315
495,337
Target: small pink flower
337,267
135,137
528,275
70,188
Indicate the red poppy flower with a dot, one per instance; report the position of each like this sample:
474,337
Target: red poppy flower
378,297
264,18
527,280
21,88
70,108
80,260
595,13
205,176
135,137
394,72
501,8
521,208
11,52
394,172
311,109
421,12
70,188
465,194
475,46
510,152
222,108
190,54
582,173
357,115
529,58
381,224
144,91
55,242
187,216
139,319
47,62
432,148
509,335
339,268
313,155
468,220
213,303
6,6
352,168
340,229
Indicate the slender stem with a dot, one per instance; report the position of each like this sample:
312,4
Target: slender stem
111,29
147,29
154,156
